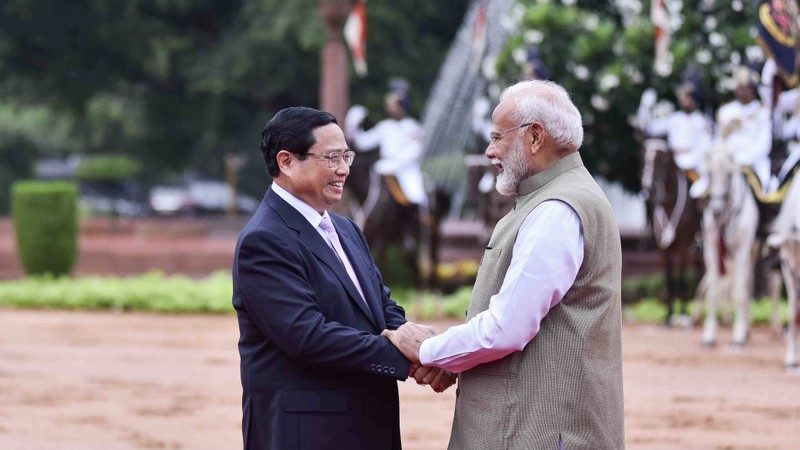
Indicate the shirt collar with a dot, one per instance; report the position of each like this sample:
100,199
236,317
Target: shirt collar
313,217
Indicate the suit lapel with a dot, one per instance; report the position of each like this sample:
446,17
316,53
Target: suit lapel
310,237
351,246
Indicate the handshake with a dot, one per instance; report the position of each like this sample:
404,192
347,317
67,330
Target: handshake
408,339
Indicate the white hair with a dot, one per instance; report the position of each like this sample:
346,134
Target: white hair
549,104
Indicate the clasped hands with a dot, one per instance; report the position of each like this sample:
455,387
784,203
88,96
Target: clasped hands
408,339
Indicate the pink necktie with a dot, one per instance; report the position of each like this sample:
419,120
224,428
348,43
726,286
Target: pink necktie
327,225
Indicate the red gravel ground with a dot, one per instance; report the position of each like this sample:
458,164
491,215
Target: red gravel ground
85,380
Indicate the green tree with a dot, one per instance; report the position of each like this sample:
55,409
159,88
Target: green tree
602,52
176,84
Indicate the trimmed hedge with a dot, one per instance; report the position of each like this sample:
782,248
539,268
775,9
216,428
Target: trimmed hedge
45,217
108,168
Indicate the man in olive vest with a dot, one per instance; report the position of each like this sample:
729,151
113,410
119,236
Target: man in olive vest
540,357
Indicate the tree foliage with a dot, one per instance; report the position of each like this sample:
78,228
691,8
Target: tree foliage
602,53
176,84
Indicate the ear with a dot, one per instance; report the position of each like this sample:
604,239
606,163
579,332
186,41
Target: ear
285,161
535,134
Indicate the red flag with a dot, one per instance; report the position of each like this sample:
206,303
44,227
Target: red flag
658,14
355,33
479,35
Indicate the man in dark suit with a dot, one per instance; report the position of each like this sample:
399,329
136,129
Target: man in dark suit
311,304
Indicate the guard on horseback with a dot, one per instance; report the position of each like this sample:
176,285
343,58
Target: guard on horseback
735,220
675,142
744,127
785,150
398,207
399,138
687,131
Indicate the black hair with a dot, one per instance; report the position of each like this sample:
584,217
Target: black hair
292,129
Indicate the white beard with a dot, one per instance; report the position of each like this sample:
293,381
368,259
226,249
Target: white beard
515,170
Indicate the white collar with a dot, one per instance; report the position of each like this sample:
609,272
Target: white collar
311,214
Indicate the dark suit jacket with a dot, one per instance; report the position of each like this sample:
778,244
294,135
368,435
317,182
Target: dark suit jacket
316,374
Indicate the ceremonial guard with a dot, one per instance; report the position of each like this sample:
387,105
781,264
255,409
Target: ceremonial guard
687,131
399,138
744,127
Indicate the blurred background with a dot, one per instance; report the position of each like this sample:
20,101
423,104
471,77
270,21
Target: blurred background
129,161
174,89
153,109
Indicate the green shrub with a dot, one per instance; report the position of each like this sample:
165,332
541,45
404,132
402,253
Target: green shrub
45,216
652,310
635,288
157,292
152,291
107,168
395,270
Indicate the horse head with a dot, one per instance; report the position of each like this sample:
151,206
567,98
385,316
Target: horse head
665,179
721,171
654,149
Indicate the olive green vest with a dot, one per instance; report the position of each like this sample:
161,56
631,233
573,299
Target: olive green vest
566,384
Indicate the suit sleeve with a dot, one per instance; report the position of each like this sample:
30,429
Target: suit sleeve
273,282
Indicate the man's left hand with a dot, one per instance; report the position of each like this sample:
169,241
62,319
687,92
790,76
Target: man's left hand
408,338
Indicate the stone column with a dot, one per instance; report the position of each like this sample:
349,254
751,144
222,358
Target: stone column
334,94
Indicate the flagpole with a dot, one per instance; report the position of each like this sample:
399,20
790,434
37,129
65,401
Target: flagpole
334,94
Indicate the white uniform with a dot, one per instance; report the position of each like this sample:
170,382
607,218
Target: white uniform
688,135
746,132
784,115
400,144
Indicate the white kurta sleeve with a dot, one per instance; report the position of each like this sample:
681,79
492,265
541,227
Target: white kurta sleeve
548,253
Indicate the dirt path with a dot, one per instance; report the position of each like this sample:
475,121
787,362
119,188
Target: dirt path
77,380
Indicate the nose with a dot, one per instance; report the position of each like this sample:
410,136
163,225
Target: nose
490,151
342,169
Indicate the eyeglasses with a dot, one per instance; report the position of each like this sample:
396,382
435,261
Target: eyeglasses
336,157
497,136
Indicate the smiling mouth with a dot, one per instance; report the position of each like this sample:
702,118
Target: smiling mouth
337,184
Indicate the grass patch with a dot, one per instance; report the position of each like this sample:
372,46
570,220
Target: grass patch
651,310
153,291
157,292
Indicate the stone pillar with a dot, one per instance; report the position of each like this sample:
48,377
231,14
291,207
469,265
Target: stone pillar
334,94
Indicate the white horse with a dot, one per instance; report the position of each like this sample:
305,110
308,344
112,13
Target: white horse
786,237
730,221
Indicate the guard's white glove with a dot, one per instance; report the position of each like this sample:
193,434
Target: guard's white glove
649,97
355,115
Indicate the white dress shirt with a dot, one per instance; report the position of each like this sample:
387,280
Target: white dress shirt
311,214
547,255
